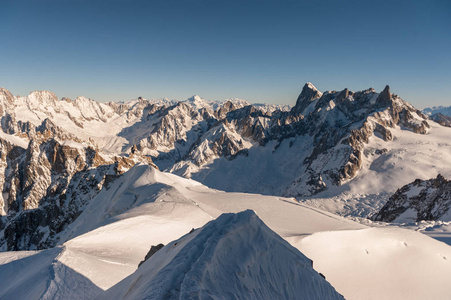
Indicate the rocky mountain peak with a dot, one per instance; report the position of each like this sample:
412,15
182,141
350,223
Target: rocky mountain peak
82,99
309,94
195,98
384,98
320,143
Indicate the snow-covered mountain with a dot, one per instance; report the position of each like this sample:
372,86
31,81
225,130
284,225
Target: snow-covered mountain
440,114
81,180
145,207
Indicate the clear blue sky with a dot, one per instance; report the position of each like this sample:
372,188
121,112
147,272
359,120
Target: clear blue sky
262,51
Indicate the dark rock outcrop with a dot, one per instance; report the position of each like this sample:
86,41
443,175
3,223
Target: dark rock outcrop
425,199
152,251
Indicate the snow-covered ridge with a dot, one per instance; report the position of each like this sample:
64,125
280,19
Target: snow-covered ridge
235,256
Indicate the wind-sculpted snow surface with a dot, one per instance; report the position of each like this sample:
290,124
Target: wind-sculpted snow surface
235,256
381,263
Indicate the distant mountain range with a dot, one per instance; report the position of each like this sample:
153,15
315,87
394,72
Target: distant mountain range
444,110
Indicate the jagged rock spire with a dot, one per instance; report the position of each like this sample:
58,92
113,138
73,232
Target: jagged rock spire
383,100
309,94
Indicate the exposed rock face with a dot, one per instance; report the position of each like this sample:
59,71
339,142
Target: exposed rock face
340,124
417,201
46,187
186,137
348,119
47,175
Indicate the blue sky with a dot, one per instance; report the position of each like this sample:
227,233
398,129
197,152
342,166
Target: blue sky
261,51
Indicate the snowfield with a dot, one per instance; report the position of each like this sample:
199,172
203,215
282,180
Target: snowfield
381,263
145,207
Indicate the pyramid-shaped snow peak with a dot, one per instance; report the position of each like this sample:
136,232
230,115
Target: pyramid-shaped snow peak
235,256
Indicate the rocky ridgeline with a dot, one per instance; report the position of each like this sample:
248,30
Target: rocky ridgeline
46,186
443,120
439,114
185,137
348,119
340,124
419,200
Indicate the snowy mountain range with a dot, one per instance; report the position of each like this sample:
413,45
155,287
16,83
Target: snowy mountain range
58,154
444,110
94,186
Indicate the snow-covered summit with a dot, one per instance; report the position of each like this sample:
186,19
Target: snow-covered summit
197,102
311,86
235,256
